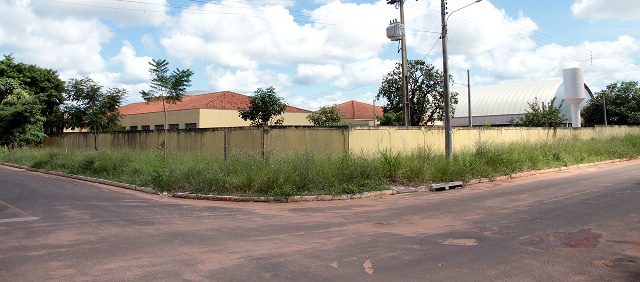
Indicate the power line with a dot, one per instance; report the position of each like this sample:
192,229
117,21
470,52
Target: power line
519,32
318,19
434,46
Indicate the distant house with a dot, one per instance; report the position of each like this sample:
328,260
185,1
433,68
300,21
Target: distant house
218,109
359,113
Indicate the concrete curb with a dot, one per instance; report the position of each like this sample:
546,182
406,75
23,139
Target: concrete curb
543,171
291,199
87,179
393,191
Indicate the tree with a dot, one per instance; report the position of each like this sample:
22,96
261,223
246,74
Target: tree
328,116
265,108
391,118
42,84
542,116
623,105
426,96
21,117
168,88
90,106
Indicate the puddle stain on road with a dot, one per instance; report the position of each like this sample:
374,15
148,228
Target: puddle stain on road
584,238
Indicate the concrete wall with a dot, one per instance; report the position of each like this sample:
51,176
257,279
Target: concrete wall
365,122
401,139
328,140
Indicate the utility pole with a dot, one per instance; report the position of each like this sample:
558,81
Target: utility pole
604,105
445,66
469,99
375,122
405,76
406,116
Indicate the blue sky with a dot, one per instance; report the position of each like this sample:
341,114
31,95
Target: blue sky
319,53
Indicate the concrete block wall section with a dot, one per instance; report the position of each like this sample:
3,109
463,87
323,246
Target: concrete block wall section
326,140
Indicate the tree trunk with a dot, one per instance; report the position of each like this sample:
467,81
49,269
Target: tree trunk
95,139
165,132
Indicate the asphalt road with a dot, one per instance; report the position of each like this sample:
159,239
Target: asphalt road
578,225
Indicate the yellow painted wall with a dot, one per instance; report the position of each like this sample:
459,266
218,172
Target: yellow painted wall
317,139
296,119
204,118
365,122
152,119
399,139
324,140
244,140
220,118
396,139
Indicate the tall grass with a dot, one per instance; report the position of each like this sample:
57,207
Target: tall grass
309,173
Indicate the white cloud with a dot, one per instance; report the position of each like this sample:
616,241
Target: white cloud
245,81
314,74
473,30
501,48
612,60
148,12
362,72
238,35
66,43
315,102
111,80
606,9
149,43
323,100
285,3
136,69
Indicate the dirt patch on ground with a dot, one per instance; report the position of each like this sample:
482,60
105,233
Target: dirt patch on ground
584,238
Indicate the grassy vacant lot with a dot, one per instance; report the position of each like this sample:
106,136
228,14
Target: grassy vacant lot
312,174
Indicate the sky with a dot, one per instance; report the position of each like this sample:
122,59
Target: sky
319,53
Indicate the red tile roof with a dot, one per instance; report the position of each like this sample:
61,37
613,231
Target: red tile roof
225,100
358,110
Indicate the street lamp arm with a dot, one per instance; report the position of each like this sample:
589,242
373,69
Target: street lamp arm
477,1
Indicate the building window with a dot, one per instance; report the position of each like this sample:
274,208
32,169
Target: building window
133,128
189,126
174,126
158,127
146,127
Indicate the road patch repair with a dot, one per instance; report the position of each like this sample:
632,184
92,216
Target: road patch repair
459,242
395,189
581,239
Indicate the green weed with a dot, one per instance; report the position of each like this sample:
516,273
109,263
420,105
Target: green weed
310,173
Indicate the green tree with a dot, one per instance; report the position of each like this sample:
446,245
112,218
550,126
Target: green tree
426,95
265,108
390,118
328,116
166,87
90,106
41,84
542,116
21,117
623,105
